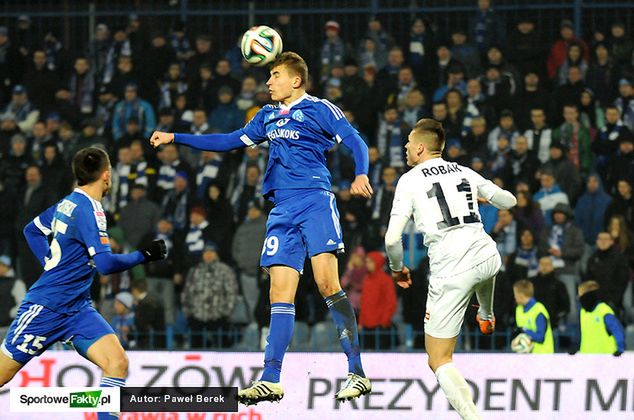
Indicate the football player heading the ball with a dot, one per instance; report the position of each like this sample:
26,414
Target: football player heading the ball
300,129
532,318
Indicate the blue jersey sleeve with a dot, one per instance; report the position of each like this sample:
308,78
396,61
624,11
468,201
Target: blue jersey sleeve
334,122
254,132
91,230
615,329
36,233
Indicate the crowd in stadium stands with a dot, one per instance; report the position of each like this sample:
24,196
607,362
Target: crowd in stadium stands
552,121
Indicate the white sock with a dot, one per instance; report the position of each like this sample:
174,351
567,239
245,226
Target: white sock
484,293
457,391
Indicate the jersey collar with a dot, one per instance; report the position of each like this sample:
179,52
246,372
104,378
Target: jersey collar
430,162
94,202
295,102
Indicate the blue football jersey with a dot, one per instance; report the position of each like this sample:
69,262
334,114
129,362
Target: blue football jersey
299,136
78,228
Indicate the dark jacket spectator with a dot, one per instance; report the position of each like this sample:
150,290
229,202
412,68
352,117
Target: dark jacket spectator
139,217
149,321
563,242
590,209
551,292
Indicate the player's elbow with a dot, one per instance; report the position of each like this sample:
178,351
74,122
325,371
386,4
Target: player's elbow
30,230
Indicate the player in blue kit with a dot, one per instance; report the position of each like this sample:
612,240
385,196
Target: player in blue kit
58,306
305,221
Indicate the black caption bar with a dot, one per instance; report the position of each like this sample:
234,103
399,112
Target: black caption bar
173,399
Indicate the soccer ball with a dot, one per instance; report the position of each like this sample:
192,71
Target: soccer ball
522,344
261,45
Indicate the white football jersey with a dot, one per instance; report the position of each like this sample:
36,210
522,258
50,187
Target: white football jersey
443,198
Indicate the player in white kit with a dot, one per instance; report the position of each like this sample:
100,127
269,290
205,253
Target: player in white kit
443,198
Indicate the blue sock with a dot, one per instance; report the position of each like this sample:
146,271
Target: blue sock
346,323
107,382
280,334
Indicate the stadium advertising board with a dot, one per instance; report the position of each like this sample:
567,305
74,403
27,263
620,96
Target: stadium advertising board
504,385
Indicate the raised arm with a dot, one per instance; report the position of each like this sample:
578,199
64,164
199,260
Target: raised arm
212,142
361,185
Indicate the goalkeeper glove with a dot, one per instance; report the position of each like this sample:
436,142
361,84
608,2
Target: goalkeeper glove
157,250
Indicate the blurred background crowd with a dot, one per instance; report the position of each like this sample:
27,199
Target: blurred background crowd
550,118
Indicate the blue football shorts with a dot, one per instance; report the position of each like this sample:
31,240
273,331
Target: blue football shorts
306,223
36,328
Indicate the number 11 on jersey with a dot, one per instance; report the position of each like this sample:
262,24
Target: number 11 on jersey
448,219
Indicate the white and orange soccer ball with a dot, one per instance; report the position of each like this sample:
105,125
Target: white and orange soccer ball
261,45
522,344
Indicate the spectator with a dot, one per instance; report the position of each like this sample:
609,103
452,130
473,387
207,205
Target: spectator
82,87
607,142
528,214
33,200
149,321
7,222
420,50
25,113
123,321
486,27
14,166
498,87
625,103
576,139
590,209
246,97
353,277
601,76
12,291
505,234
378,303
119,47
495,57
382,202
245,250
559,49
622,238
524,262
132,106
574,58
622,163
98,50
203,55
552,293
564,172
564,244
11,63
532,96
506,128
455,80
41,82
223,77
623,203
210,294
528,52
139,217
464,52
171,86
171,165
161,274
609,267
56,175
156,62
201,89
476,139
523,163
622,45
414,108
226,116
567,94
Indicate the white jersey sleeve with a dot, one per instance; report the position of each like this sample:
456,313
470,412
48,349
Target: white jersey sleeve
495,195
402,209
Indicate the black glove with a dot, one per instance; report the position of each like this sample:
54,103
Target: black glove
617,353
516,332
157,250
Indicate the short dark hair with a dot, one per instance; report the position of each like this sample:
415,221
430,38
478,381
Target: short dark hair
293,62
432,133
89,164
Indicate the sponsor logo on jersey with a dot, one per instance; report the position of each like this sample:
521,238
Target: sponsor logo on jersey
100,217
104,240
66,207
282,122
298,115
284,112
271,116
284,133
442,169
331,242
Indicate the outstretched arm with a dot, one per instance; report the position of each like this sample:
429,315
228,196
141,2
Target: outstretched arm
108,263
361,185
210,142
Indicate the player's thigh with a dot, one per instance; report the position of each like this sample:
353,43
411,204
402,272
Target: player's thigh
93,338
319,223
447,301
325,270
284,282
283,245
8,368
34,329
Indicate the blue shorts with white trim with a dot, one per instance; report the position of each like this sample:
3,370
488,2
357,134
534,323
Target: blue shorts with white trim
36,328
306,223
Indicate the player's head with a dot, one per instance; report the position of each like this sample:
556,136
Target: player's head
589,295
92,166
523,291
427,139
289,74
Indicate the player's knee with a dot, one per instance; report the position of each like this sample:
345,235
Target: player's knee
117,365
327,287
